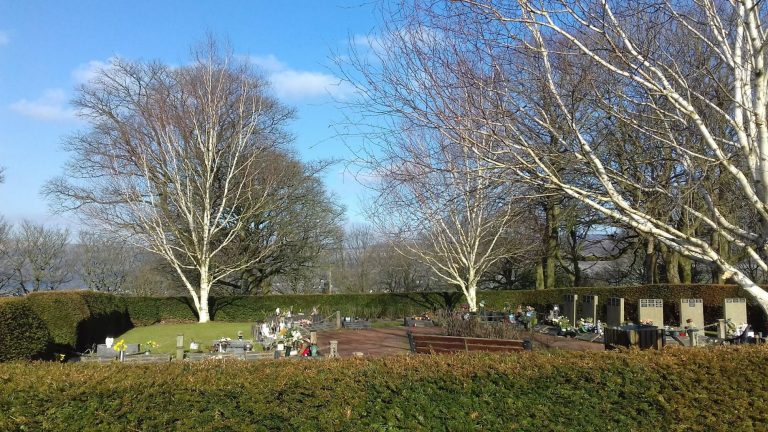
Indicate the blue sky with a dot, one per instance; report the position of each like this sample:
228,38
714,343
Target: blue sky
48,47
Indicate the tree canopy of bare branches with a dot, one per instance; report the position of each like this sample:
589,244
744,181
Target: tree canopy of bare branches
170,159
650,113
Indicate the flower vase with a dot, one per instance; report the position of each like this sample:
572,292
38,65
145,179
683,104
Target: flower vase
121,356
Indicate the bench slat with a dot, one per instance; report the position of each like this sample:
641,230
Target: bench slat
452,344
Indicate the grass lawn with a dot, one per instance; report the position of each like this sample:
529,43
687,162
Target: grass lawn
204,334
386,323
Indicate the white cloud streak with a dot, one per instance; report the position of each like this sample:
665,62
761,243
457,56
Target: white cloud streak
51,106
292,84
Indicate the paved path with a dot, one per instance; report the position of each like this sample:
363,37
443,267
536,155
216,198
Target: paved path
393,340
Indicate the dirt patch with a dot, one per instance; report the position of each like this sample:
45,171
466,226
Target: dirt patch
393,341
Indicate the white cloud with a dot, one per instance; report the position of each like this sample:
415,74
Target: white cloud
4,38
51,106
88,71
294,84
268,64
289,83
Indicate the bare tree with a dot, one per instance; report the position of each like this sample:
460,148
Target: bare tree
301,222
104,262
38,258
6,244
563,89
443,207
170,158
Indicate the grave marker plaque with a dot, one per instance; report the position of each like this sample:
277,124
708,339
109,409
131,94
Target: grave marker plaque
735,309
334,352
569,307
651,310
692,309
615,311
588,308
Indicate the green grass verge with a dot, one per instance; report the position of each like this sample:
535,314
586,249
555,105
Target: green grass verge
165,334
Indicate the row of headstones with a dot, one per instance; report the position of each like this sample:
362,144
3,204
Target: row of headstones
652,310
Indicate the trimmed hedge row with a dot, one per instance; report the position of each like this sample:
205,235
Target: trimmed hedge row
23,335
41,324
715,389
144,310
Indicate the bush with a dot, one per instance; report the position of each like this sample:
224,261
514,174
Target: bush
454,324
23,335
714,389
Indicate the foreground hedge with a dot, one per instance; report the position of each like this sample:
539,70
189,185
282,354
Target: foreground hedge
674,390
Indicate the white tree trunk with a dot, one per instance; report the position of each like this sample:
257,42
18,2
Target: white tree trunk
759,294
205,288
470,292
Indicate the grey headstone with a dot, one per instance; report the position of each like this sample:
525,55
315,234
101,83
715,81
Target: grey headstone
615,311
569,307
588,307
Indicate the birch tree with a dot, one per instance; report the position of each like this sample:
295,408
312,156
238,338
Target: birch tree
563,88
170,158
442,207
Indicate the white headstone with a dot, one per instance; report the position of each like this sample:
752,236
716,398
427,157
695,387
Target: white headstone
735,309
651,310
692,309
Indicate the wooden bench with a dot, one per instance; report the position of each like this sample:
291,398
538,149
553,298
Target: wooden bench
425,344
356,324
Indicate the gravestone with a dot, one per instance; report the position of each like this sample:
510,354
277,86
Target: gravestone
651,310
735,309
334,352
615,311
588,308
692,309
569,307
179,347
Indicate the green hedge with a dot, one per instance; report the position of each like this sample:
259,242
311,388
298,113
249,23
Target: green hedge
72,321
716,389
23,335
147,310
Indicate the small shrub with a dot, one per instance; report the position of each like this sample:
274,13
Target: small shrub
454,324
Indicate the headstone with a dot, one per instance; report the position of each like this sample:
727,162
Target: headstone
692,309
334,353
588,308
102,350
569,307
735,309
651,310
180,347
615,311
